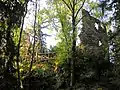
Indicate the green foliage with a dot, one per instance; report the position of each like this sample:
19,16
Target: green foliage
95,66
16,35
11,12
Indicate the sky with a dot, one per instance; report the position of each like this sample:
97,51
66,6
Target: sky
51,41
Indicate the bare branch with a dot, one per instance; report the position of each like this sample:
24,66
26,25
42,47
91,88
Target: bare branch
67,5
77,2
45,21
44,26
80,8
82,17
70,3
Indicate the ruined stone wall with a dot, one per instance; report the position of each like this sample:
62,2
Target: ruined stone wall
93,38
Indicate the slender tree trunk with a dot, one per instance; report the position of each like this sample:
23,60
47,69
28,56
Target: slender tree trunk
31,63
18,49
33,52
73,57
72,6
73,47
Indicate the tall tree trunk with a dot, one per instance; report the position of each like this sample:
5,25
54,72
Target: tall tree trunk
72,6
18,52
33,52
18,47
73,46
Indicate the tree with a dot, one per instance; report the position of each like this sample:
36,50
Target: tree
74,9
13,13
68,13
